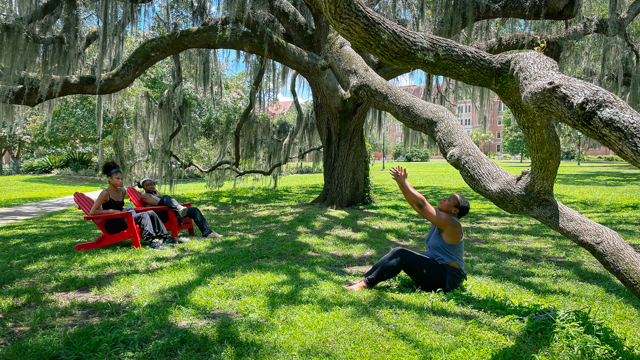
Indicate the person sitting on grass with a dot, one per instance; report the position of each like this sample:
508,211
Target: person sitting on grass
152,197
441,266
112,201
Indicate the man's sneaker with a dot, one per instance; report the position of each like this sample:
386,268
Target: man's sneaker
171,241
182,210
156,245
213,235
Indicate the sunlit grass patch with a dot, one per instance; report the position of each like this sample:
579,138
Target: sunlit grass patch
20,189
271,288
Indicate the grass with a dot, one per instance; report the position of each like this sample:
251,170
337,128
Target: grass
19,190
271,288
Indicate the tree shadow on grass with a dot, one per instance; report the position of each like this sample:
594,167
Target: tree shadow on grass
273,242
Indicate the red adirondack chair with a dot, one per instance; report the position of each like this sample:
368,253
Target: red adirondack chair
172,225
132,232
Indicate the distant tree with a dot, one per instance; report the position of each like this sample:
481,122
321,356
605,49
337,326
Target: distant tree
512,137
481,137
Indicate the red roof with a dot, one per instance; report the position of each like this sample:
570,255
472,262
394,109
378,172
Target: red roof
279,108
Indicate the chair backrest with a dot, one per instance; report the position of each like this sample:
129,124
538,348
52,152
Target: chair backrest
135,196
85,204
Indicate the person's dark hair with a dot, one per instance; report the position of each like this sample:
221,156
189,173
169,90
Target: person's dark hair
463,206
111,168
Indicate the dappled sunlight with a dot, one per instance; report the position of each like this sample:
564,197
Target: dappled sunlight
272,284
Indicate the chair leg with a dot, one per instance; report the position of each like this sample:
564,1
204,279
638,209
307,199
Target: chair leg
191,232
135,239
90,245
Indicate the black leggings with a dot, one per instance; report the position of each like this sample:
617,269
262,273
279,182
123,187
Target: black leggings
192,213
427,273
149,223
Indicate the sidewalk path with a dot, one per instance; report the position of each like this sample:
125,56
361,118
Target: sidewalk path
22,212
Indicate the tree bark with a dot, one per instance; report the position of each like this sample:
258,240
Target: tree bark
340,120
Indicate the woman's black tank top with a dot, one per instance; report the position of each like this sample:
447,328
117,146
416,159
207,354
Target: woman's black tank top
113,204
114,226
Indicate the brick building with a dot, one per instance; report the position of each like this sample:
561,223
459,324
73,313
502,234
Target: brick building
467,113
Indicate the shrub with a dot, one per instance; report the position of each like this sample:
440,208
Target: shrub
29,167
78,160
415,155
506,157
308,170
48,164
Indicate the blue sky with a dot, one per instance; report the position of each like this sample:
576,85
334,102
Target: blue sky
304,93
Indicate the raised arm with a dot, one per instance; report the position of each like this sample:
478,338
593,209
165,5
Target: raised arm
451,230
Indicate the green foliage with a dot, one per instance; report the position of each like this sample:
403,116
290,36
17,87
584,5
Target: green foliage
481,137
512,136
72,127
398,150
78,160
47,164
418,155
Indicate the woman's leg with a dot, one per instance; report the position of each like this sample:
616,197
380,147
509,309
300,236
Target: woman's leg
427,273
114,226
143,221
195,214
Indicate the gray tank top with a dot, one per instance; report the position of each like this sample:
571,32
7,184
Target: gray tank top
443,253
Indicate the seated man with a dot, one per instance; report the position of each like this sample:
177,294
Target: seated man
441,266
152,197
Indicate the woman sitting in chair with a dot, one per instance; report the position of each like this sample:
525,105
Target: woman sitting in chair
152,197
112,201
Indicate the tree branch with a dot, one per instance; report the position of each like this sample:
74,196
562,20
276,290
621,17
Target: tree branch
291,19
457,13
150,52
42,11
528,40
198,167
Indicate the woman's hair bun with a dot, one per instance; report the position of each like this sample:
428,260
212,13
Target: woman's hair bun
110,166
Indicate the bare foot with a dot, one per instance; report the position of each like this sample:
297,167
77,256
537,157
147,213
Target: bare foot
353,282
357,286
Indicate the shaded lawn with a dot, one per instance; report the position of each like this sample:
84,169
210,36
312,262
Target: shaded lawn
271,288
21,189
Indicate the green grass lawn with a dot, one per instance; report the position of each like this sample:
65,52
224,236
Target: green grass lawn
19,190
271,288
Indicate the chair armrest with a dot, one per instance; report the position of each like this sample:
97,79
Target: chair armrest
109,216
187,204
151,208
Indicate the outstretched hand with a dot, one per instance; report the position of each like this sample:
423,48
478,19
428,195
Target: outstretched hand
399,173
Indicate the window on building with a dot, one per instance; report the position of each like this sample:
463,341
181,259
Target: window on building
467,121
460,109
498,148
461,122
500,106
499,120
498,135
468,108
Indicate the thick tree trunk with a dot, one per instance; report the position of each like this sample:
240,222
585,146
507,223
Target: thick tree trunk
340,123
